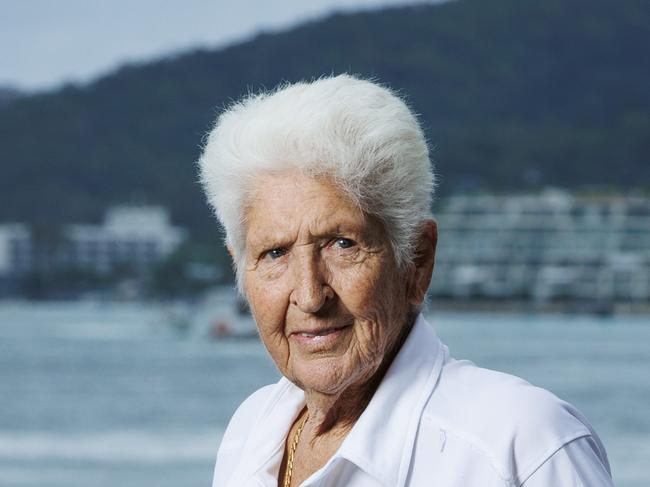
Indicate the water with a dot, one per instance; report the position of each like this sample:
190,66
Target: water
108,395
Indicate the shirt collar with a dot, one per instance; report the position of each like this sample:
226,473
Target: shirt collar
261,456
381,441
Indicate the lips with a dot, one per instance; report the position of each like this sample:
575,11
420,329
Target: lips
320,333
318,339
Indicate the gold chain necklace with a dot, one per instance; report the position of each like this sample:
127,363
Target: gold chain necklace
292,451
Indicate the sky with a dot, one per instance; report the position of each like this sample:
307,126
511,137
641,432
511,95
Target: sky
46,43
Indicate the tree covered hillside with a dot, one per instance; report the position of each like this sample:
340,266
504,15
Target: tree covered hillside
513,94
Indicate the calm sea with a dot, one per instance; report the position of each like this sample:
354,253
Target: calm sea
105,395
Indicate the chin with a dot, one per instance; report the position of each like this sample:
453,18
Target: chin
329,375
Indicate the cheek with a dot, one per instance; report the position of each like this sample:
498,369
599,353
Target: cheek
373,294
268,305
381,307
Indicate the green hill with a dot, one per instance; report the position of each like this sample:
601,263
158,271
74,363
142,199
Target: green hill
513,94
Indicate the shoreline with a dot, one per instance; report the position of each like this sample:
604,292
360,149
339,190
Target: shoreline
593,308
530,307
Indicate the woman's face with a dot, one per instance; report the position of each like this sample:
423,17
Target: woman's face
322,283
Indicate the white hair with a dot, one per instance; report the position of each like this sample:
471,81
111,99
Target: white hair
356,133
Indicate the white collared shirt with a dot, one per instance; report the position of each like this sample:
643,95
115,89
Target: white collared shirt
433,421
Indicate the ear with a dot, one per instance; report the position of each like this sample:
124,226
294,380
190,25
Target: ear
231,251
423,262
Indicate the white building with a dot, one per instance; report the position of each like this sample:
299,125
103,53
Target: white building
133,237
15,249
548,246
15,255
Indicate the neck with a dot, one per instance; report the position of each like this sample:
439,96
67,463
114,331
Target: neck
335,414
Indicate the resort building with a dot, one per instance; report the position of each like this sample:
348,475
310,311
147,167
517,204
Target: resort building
551,246
130,237
128,243
15,255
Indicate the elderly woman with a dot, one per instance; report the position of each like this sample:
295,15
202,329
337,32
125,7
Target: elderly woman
324,191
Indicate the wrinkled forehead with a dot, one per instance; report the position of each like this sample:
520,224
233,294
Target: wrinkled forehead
282,206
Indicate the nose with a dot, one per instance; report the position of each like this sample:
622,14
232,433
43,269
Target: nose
311,292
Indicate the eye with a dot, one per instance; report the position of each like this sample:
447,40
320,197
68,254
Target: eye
344,243
274,254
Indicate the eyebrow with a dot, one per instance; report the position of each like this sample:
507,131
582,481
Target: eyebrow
278,238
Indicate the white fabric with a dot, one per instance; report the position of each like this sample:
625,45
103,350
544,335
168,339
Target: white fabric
433,421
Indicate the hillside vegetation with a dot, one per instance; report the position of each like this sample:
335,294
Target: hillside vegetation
513,94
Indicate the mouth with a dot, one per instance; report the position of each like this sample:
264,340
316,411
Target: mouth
319,337
320,333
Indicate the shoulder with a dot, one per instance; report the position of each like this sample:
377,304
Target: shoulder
494,403
245,416
237,433
510,423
